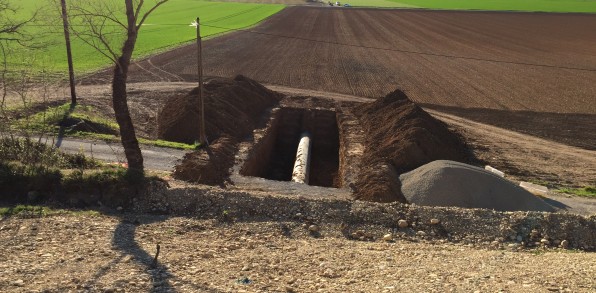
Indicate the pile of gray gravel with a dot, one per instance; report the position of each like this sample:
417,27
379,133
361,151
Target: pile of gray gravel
449,183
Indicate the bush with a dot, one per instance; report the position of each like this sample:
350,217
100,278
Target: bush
17,180
29,152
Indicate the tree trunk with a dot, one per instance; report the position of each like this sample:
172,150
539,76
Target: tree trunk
120,103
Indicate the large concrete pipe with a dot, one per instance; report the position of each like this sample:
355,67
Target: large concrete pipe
302,165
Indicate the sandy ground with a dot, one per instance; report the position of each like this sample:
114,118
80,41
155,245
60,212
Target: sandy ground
115,254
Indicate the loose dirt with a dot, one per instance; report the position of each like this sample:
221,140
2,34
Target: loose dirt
233,108
400,136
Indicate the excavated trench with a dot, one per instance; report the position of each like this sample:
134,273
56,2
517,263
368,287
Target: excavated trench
274,155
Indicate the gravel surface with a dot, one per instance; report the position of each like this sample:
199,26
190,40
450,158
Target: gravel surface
85,253
449,183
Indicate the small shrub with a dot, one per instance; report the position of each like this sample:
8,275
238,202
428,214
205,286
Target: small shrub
17,180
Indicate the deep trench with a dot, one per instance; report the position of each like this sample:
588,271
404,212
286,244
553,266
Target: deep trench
274,157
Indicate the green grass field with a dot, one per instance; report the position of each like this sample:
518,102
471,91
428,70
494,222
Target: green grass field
515,5
167,27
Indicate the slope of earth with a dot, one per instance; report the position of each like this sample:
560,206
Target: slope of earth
524,157
115,253
543,64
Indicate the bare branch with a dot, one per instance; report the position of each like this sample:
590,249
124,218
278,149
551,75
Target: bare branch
139,6
161,2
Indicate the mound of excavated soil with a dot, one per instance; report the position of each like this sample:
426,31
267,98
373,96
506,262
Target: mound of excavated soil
208,165
454,184
232,110
400,136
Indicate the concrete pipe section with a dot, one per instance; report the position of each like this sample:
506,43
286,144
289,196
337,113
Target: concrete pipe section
301,169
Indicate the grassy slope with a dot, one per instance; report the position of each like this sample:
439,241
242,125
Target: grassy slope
167,27
519,5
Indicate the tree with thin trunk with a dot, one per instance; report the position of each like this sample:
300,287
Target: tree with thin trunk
11,31
102,28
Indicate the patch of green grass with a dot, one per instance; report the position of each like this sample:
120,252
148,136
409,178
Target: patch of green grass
500,5
52,118
170,144
165,28
377,3
587,191
540,182
29,211
156,142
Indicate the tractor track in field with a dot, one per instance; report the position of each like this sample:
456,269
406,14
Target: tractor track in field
542,65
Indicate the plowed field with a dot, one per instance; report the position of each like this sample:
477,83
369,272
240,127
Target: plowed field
530,72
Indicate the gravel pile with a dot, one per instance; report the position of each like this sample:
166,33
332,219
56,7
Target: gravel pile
449,183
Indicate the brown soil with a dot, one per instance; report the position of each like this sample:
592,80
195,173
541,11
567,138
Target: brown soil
400,137
233,108
523,157
559,41
208,165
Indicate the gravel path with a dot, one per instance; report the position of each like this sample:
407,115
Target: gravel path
114,254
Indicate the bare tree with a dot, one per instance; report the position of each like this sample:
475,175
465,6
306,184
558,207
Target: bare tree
11,28
11,31
102,28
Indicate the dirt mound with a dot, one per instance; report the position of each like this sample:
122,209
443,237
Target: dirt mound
401,136
208,165
454,184
232,108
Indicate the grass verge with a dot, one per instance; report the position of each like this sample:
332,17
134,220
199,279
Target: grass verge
84,122
587,191
37,211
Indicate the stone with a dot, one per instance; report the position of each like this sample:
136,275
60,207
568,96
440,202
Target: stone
434,221
564,244
544,241
421,233
32,196
313,228
402,223
519,238
18,283
388,237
